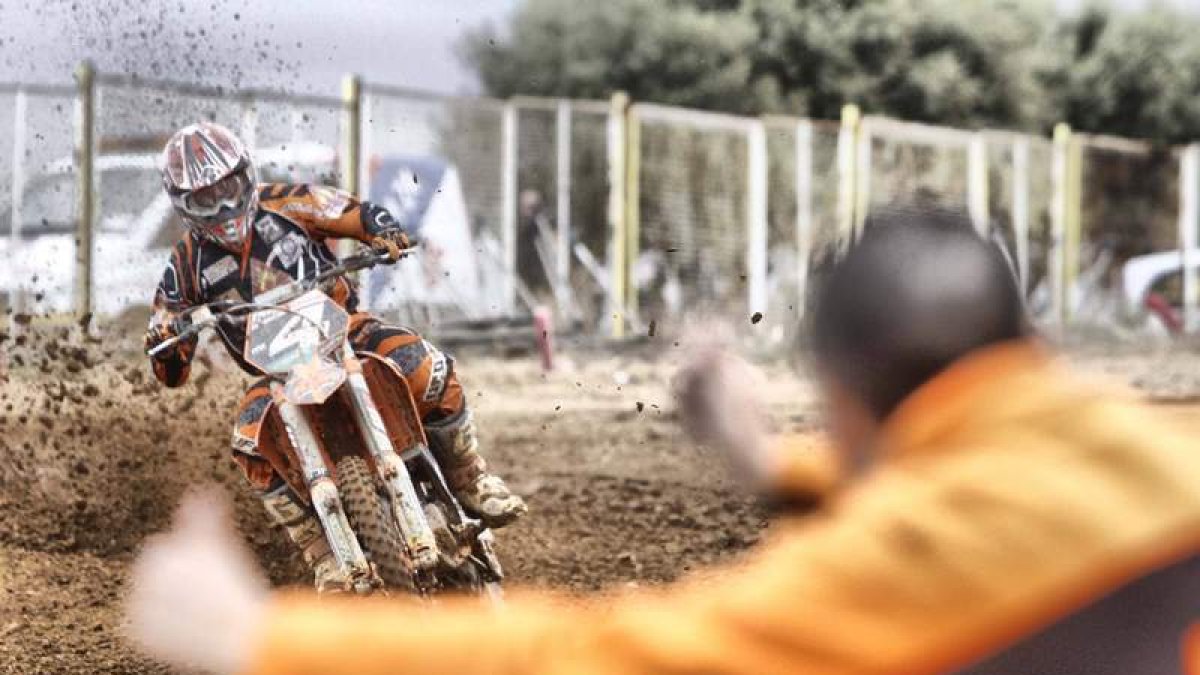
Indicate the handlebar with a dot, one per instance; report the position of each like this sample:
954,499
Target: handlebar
195,320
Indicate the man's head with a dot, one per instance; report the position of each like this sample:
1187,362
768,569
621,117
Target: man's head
918,292
210,178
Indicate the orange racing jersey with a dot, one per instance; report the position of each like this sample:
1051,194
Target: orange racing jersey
287,242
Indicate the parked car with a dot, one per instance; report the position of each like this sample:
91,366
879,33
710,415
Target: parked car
1153,288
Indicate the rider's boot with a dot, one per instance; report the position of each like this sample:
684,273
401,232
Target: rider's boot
304,529
483,495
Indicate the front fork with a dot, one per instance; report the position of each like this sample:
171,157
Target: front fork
410,514
414,528
325,500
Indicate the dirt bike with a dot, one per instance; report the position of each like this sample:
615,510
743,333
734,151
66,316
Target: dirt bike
384,505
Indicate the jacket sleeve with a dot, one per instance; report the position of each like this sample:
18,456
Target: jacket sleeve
868,592
174,294
923,568
326,212
770,616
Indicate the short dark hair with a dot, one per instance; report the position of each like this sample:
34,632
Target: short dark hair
918,292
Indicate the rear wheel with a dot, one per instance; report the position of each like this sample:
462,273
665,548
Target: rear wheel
372,522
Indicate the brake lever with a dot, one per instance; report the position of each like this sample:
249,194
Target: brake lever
197,320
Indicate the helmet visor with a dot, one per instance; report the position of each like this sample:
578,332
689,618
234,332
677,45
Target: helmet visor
226,199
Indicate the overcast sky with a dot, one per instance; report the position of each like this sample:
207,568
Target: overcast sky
281,44
296,45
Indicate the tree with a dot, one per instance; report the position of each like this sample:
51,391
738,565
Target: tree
931,60
677,55
1007,63
1130,75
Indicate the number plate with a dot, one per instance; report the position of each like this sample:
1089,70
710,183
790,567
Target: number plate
312,326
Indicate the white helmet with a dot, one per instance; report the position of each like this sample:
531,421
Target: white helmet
210,178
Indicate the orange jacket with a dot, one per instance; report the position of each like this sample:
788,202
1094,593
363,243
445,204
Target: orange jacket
1009,505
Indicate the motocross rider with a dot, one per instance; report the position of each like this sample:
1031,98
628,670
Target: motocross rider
243,239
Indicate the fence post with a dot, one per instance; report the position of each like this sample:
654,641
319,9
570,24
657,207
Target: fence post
351,148
296,117
249,123
862,175
847,155
1020,208
977,183
756,217
508,204
804,214
562,202
365,139
85,148
616,145
20,113
1189,224
633,210
1074,224
351,132
1059,216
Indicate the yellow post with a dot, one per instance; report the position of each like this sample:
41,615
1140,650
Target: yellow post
633,212
1074,221
617,145
847,170
351,152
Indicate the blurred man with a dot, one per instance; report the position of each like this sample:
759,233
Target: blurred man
1003,518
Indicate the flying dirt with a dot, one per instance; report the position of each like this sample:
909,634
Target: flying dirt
95,455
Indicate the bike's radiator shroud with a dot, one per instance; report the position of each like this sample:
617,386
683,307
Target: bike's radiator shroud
263,450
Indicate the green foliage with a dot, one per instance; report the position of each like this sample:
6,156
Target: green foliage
973,63
679,55
1133,75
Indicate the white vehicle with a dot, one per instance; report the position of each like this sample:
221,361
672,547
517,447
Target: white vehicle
135,228
1153,288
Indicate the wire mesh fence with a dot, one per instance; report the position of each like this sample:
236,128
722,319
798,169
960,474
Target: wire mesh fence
37,201
597,209
904,162
692,229
1129,210
586,197
803,237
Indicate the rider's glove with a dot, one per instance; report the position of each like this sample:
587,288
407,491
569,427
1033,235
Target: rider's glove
392,242
158,333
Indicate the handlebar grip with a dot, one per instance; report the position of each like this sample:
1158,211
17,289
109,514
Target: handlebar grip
184,326
162,346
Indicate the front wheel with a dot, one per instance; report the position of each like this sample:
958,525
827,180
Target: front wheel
372,522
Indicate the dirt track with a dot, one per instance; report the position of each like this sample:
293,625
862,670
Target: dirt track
94,456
